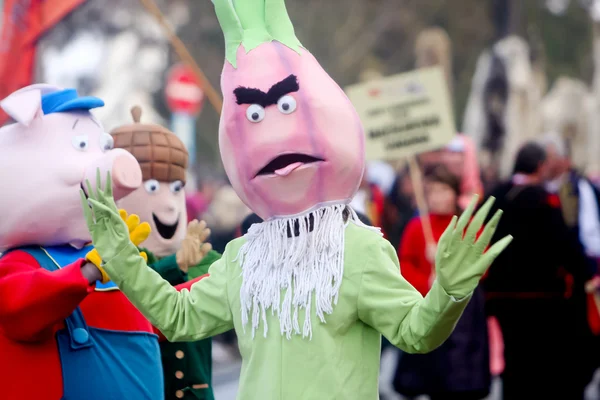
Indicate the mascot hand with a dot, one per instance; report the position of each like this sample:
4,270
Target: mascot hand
110,233
95,259
193,249
137,234
461,259
138,231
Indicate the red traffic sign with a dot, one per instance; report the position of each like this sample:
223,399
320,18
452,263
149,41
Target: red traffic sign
183,91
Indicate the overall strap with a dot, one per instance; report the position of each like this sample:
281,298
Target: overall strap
40,256
78,329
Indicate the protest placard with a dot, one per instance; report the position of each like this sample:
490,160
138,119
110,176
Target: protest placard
405,114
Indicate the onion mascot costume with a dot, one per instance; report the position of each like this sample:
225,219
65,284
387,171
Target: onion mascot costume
310,290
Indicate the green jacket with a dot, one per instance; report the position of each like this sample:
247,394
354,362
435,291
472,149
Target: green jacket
187,366
341,361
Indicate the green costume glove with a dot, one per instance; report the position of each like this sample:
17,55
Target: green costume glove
460,261
110,234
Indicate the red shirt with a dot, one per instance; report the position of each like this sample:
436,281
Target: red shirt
415,267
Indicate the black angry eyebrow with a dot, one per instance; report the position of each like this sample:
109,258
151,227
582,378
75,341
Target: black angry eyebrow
246,95
286,86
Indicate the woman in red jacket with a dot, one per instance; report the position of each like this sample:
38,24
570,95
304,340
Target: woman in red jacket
459,369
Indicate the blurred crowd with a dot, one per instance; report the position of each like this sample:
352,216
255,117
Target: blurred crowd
533,321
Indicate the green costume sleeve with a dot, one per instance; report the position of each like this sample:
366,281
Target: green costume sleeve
183,316
389,304
202,267
166,267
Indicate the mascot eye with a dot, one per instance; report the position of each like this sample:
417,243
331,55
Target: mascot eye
176,186
286,104
106,142
255,113
152,186
80,142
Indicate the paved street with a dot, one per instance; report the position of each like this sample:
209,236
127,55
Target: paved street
225,381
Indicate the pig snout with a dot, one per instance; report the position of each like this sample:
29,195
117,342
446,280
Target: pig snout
124,169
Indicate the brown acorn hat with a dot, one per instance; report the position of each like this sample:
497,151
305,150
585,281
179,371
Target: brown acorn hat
160,153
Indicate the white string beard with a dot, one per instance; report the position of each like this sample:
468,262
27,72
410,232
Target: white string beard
285,257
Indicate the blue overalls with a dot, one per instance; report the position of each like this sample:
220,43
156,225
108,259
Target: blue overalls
100,364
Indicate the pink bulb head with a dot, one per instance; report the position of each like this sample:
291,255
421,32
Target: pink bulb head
289,137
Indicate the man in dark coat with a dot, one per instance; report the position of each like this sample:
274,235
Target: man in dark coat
530,288
580,205
579,198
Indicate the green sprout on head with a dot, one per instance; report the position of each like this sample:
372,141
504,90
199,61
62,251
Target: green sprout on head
253,22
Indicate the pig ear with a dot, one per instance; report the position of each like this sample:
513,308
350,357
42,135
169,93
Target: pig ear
23,106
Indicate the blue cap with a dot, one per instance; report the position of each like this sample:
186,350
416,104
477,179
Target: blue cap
68,100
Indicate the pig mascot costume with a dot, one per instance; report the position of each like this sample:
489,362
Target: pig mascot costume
62,334
174,248
310,290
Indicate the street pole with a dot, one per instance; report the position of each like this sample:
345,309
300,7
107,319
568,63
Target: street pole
184,126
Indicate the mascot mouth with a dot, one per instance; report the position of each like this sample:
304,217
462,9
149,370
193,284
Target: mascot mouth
285,164
166,231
